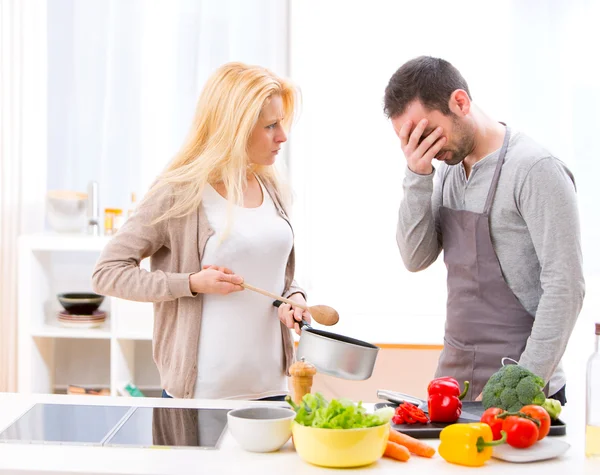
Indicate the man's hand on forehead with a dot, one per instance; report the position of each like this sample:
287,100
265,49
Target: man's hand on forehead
419,147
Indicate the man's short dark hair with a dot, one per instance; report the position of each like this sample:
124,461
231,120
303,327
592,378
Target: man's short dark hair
430,80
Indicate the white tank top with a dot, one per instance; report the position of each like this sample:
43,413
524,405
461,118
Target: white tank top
241,350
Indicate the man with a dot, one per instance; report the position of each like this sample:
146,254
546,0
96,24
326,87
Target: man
504,212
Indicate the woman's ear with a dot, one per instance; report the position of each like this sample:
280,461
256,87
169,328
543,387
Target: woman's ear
460,103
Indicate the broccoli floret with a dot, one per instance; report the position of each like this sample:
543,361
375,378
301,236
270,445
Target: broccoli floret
513,387
509,397
495,378
512,374
529,390
515,407
539,399
491,397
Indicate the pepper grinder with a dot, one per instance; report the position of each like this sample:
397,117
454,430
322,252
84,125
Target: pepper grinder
302,378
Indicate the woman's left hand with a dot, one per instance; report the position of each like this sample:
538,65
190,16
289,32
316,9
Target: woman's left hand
290,316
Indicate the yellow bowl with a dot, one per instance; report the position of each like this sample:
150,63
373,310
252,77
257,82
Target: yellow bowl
340,447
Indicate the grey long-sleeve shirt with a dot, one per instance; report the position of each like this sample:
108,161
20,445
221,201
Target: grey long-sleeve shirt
534,227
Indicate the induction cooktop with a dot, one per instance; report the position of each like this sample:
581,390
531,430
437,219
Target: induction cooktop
171,427
65,424
118,426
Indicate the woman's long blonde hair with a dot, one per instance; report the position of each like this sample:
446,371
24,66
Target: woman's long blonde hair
215,150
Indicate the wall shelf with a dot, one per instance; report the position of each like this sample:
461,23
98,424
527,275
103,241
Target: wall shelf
49,330
52,356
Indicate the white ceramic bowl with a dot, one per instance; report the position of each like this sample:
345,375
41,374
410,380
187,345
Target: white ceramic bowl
261,429
66,211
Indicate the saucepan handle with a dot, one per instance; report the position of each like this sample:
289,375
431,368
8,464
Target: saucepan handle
303,323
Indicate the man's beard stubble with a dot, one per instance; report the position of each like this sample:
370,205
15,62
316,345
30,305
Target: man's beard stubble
464,146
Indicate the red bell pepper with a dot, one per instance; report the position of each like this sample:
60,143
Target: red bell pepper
444,399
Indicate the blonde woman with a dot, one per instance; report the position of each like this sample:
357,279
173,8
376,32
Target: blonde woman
213,218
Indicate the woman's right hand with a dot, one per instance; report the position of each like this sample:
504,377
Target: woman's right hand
291,316
215,280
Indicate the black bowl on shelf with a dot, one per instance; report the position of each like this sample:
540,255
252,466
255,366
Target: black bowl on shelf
80,303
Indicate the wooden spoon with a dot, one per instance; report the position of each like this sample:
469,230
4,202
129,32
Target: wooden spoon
321,313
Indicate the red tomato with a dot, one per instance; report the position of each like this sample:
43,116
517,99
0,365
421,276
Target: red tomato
489,418
539,413
520,432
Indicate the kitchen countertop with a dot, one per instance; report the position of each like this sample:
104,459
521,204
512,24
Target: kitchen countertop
230,458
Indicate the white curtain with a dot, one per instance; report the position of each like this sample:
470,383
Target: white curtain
533,64
124,77
22,155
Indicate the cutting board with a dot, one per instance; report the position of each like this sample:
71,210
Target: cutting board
432,430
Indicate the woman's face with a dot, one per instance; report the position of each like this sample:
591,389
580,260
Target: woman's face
268,134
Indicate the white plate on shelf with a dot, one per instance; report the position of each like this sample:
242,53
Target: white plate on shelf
83,325
545,449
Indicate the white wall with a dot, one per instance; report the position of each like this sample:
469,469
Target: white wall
531,64
124,78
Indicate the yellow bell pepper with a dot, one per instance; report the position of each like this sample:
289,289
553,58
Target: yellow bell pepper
468,444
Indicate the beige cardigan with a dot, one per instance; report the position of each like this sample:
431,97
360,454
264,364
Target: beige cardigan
175,247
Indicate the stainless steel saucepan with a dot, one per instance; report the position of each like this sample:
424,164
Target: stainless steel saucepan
335,355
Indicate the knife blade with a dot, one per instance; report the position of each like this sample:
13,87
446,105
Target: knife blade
399,398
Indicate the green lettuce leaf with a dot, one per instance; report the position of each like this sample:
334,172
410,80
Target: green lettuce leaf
316,411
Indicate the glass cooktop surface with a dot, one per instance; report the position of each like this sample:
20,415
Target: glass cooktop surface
65,423
118,426
171,427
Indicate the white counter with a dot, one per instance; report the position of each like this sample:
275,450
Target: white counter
230,458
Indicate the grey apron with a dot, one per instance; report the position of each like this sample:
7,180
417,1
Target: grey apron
485,321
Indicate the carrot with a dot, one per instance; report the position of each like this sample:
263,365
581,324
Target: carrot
415,446
396,451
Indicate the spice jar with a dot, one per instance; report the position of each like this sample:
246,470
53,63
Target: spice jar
108,221
113,220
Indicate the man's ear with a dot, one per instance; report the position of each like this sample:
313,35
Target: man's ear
460,103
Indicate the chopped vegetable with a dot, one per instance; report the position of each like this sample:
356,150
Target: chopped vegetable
415,446
316,411
407,413
444,399
396,451
468,444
